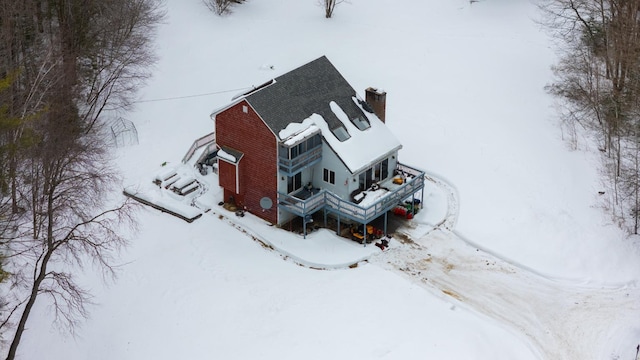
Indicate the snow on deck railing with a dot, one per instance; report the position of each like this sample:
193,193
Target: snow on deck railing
302,207
408,170
207,139
325,198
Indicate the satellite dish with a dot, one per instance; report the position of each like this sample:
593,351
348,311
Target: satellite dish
266,203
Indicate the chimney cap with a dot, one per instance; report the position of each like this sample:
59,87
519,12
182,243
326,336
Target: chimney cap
376,90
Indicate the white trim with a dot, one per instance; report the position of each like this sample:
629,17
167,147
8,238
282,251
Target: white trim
237,179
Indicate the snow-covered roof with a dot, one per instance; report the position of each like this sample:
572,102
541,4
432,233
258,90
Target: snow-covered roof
317,94
316,97
362,148
293,137
306,90
230,155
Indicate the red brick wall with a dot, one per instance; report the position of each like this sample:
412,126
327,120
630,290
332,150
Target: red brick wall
258,169
238,199
227,176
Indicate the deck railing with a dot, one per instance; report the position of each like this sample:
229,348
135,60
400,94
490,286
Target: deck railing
333,203
302,207
308,158
207,139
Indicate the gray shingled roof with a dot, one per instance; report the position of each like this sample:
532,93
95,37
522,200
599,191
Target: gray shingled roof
302,92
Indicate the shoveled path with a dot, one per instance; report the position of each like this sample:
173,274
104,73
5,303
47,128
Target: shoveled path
561,320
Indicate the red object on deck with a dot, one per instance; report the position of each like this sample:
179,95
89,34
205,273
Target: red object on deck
400,210
410,216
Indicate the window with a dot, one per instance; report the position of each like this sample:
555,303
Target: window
297,150
301,148
376,173
315,141
294,182
341,133
245,109
329,176
360,123
381,170
365,179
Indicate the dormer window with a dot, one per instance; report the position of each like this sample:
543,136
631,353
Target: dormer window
341,133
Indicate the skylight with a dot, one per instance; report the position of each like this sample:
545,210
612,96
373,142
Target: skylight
341,133
361,123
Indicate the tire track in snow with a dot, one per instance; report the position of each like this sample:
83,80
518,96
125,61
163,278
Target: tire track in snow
453,204
560,320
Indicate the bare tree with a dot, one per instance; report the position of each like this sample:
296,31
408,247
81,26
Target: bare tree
597,81
73,226
329,6
74,61
117,62
15,47
221,7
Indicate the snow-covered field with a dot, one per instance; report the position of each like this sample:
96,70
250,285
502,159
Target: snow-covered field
523,266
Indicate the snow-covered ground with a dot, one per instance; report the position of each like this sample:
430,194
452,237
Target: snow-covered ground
511,258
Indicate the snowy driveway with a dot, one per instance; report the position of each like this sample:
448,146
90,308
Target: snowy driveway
559,319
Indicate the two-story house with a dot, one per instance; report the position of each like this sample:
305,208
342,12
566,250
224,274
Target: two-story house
306,142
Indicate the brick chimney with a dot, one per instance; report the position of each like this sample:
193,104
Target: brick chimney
378,101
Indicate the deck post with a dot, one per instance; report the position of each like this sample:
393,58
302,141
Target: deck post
413,204
364,230
338,229
304,226
386,213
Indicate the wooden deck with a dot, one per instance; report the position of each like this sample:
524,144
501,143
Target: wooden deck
185,217
332,203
